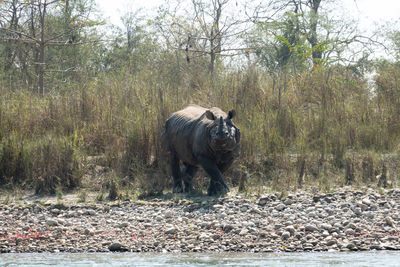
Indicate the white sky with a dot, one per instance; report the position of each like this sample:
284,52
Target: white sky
114,9
368,12
373,11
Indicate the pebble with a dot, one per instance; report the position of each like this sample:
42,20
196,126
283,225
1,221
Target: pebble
243,232
340,221
117,247
280,207
170,230
285,235
51,222
311,228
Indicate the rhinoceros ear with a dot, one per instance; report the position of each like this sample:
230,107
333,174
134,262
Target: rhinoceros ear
210,115
231,114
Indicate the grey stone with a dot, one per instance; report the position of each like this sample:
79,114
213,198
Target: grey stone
168,214
349,231
280,207
366,201
117,247
51,222
90,212
243,232
290,229
357,211
123,225
389,221
285,235
263,201
326,226
311,228
171,230
87,231
288,201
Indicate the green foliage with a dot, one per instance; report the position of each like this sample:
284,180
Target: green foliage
281,45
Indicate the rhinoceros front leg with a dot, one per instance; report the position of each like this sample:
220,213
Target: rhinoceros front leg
217,184
176,173
224,166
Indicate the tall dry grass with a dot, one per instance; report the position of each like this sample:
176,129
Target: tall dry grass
318,117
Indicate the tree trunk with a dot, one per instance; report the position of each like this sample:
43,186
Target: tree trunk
313,37
8,51
42,48
212,63
215,37
41,68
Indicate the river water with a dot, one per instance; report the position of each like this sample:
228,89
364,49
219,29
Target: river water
373,258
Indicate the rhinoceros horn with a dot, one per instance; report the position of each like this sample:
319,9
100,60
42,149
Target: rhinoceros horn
220,127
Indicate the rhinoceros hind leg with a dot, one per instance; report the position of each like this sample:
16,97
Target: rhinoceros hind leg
188,173
176,173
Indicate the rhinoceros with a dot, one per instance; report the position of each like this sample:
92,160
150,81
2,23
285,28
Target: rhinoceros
197,136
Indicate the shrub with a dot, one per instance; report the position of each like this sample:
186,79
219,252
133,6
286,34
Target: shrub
15,161
55,164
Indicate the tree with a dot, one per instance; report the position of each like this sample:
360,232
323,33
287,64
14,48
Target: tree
37,26
326,36
134,46
10,16
280,49
278,45
387,82
311,33
210,28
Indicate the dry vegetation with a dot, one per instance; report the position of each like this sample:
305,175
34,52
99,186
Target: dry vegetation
77,111
327,129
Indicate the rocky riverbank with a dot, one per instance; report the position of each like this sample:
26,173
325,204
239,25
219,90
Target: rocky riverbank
342,221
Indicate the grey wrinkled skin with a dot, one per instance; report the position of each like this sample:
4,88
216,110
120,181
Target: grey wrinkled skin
196,136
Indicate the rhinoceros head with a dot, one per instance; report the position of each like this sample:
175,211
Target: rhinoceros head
222,131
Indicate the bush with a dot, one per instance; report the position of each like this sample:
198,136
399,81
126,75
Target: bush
15,162
45,164
55,165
